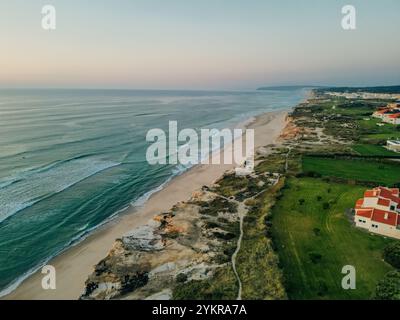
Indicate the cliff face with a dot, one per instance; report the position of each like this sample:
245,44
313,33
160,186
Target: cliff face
184,244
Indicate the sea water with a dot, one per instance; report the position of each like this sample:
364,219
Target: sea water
70,160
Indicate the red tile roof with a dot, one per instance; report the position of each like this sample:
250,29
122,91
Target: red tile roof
388,194
370,194
385,217
382,111
384,202
384,196
382,192
366,213
359,203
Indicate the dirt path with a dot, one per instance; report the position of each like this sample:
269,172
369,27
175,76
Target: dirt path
287,159
242,213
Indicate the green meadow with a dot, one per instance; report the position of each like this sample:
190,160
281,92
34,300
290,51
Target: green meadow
315,239
354,169
373,150
382,136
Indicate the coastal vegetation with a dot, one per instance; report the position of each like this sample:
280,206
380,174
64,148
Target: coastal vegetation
266,281
388,287
391,254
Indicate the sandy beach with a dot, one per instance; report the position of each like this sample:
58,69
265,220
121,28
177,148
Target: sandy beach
75,264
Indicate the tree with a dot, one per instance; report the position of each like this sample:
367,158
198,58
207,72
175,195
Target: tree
391,254
389,287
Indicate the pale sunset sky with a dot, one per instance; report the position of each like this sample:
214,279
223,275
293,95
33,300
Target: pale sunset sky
198,44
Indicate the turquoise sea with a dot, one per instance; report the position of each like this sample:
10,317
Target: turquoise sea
70,160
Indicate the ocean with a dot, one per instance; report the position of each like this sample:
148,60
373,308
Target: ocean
71,160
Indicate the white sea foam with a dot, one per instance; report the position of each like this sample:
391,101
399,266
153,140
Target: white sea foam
34,186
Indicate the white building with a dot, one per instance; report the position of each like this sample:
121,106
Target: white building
393,145
379,212
245,170
393,118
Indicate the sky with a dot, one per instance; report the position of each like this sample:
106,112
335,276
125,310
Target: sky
198,44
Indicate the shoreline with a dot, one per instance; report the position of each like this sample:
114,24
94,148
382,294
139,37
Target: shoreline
74,265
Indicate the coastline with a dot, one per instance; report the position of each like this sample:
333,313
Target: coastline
75,264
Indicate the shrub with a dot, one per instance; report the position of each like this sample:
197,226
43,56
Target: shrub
317,231
322,288
181,278
389,287
391,254
315,257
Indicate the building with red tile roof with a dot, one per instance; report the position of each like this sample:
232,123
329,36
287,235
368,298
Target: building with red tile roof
379,211
392,118
389,113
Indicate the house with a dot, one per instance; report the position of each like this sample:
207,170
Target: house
381,112
389,113
379,212
392,118
393,145
245,170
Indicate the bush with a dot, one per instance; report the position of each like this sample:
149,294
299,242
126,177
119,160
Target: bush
389,287
315,257
391,254
322,288
181,278
301,201
317,231
326,206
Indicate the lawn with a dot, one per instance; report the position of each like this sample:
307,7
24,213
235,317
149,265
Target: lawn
373,150
371,126
363,170
315,239
383,136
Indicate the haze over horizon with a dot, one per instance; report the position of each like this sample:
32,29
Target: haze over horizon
220,45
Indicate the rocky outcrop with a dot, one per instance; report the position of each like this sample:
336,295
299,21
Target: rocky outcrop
181,245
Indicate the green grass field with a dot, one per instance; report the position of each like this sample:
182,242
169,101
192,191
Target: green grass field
362,170
371,126
383,136
314,242
373,150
